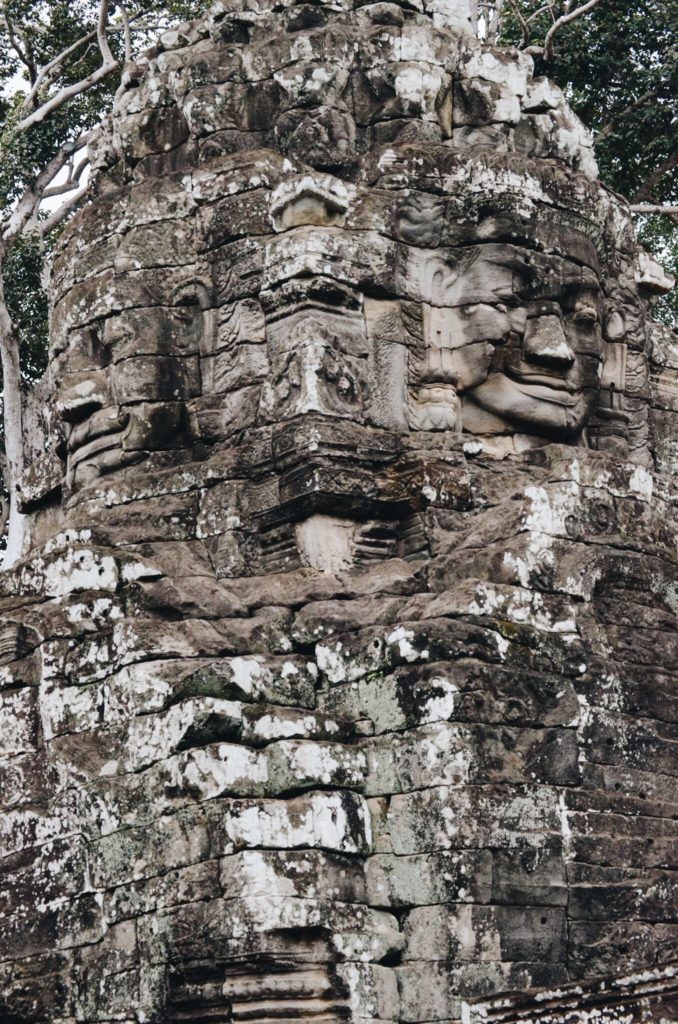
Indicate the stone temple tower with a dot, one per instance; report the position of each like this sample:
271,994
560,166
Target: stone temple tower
337,681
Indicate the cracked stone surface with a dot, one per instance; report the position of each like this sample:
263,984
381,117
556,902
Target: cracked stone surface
337,679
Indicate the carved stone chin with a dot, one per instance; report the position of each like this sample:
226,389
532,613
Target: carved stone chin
335,681
436,407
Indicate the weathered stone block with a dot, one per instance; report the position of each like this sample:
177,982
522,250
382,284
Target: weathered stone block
18,721
336,822
485,933
420,879
444,818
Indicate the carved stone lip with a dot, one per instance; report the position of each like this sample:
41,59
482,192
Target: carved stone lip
99,444
102,430
550,389
438,378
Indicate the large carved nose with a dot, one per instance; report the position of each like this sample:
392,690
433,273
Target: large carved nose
545,341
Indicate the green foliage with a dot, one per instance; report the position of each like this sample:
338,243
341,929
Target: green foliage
659,235
618,66
43,31
27,302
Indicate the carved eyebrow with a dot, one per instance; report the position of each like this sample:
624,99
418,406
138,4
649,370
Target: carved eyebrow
587,299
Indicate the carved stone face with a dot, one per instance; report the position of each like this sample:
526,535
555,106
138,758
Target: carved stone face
127,366
300,300
544,374
486,338
501,339
133,401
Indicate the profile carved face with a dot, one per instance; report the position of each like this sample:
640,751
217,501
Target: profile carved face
123,382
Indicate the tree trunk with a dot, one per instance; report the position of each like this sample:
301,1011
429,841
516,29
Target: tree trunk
12,415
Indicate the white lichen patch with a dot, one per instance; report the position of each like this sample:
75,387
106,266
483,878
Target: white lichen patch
80,569
318,820
94,614
17,722
445,756
137,689
502,645
213,771
288,725
641,483
70,709
524,606
132,570
340,665
418,85
536,559
152,737
67,538
439,707
402,638
549,509
317,763
247,673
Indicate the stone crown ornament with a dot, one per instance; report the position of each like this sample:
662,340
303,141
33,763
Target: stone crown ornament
335,680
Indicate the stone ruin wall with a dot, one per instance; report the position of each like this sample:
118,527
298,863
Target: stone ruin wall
337,681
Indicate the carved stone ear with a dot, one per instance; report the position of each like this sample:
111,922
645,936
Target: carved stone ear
194,296
613,371
651,276
311,200
614,325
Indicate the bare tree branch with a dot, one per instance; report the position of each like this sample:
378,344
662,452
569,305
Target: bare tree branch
646,189
108,64
542,10
126,31
47,225
28,204
101,33
546,51
641,101
12,414
71,182
22,51
563,20
46,73
654,208
524,27
492,16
